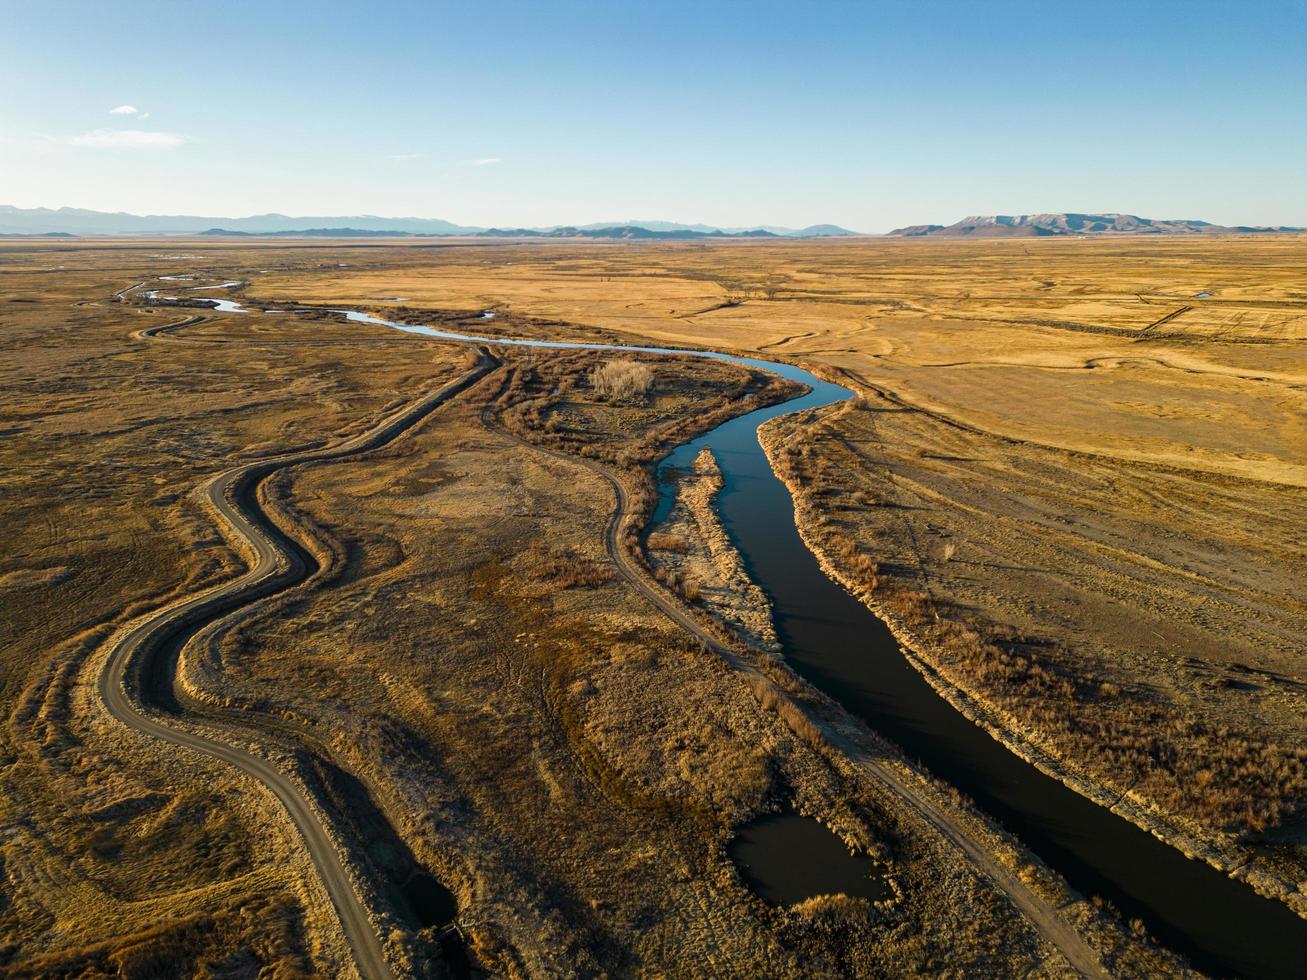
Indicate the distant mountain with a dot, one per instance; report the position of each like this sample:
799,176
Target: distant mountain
823,231
1069,223
312,233
618,231
623,231
915,231
648,225
812,231
79,221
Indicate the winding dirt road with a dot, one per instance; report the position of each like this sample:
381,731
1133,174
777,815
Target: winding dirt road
276,563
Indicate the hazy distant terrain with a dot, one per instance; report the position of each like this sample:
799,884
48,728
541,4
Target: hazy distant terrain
79,221
1068,223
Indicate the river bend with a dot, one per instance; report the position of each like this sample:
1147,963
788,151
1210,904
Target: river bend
829,637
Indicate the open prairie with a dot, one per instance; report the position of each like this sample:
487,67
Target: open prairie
1086,458
611,489
527,723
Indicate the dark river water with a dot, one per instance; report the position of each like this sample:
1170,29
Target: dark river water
841,647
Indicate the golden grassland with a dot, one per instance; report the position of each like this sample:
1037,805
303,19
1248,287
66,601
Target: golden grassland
467,686
1089,457
118,855
566,759
563,756
1048,342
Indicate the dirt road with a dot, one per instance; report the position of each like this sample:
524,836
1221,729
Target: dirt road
276,565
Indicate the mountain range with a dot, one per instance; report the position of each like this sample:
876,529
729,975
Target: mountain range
565,231
79,221
1070,223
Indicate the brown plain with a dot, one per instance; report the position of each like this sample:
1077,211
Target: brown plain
1090,455
537,737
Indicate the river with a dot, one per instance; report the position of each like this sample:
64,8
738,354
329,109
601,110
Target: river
1221,925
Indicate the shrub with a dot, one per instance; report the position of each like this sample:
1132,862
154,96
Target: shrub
565,570
772,699
659,541
619,381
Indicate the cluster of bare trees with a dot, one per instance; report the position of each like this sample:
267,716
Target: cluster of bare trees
738,292
622,381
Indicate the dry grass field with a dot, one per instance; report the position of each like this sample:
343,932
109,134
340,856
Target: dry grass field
116,855
473,692
1085,456
567,761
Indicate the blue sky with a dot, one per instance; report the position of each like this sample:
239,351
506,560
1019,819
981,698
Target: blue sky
869,115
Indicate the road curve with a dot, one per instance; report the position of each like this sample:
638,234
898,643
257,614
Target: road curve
274,566
164,330
1040,913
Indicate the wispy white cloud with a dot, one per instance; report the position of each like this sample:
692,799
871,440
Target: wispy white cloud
143,138
483,162
404,156
124,110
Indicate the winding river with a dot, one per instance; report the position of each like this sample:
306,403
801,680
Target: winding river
841,647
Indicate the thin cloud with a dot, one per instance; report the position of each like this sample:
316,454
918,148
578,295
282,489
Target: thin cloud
483,162
134,138
124,110
404,156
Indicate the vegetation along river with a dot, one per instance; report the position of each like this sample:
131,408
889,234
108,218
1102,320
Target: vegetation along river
1221,925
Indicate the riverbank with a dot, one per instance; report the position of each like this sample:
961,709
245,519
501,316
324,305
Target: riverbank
902,593
1085,867
690,546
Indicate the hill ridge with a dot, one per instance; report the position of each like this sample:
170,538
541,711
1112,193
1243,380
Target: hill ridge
1074,223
